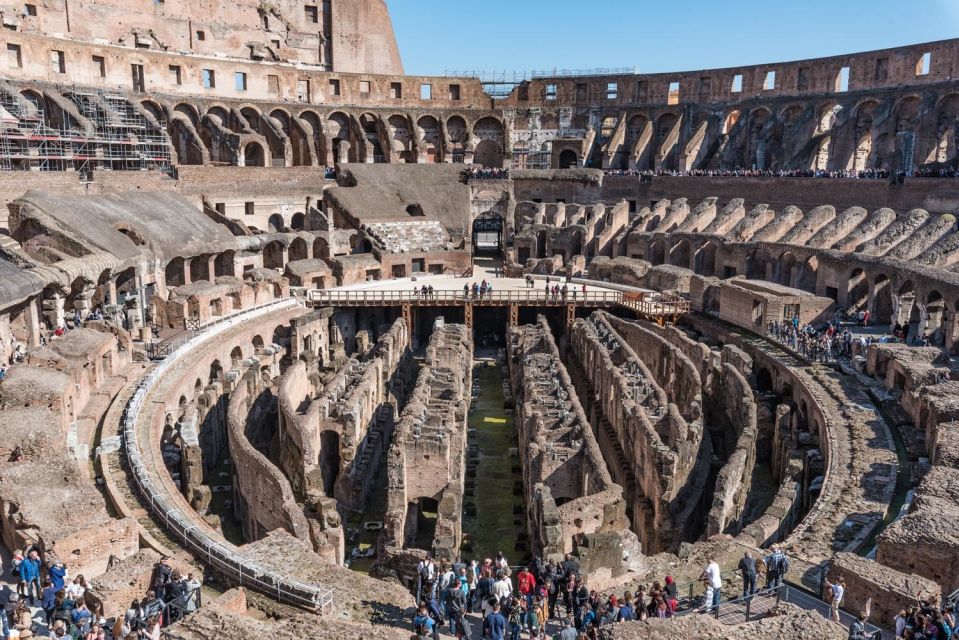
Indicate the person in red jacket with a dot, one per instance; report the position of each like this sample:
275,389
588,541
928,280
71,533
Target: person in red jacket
526,585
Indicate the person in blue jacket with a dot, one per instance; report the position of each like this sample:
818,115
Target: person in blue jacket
58,574
30,573
48,600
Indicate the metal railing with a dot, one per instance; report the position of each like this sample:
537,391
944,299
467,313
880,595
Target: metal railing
181,606
745,608
459,297
215,553
762,600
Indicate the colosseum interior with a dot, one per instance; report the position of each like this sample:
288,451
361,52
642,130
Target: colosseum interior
240,326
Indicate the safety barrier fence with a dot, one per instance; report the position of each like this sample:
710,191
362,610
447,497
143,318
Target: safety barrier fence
180,525
459,297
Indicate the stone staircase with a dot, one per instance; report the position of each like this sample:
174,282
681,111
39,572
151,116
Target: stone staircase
409,237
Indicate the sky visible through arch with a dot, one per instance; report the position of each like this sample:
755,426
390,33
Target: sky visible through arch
436,36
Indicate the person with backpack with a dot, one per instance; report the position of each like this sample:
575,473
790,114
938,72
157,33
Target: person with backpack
426,571
162,574
777,564
445,583
422,622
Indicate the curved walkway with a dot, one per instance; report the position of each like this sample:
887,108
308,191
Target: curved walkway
183,524
861,461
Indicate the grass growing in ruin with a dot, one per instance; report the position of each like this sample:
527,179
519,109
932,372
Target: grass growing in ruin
492,528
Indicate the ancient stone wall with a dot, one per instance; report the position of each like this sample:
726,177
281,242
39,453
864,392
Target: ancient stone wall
735,478
656,449
427,459
263,496
570,489
333,434
51,406
926,541
889,590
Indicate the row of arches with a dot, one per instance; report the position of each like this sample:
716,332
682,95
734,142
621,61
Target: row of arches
310,138
899,133
891,297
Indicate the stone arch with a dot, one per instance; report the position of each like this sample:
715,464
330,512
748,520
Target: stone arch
254,155
756,264
338,132
657,251
275,223
634,128
236,357
568,159
857,291
760,119
154,109
607,128
223,264
432,136
679,254
907,309
199,268
257,342
730,121
281,334
882,306
826,117
273,255
216,372
174,274
934,317
299,144
457,133
705,260
864,118
488,154
785,268
666,146
190,112
807,275
401,138
314,134
298,221
944,150
373,149
186,143
320,248
298,250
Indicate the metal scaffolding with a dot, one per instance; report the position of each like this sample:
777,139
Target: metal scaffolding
120,138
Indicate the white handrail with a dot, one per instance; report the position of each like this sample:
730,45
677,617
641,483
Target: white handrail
180,525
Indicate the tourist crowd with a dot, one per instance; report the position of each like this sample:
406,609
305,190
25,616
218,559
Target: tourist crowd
514,601
926,620
479,291
834,340
740,172
67,610
819,345
476,172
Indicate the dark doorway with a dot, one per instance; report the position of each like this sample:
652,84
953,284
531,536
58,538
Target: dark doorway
488,234
329,460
